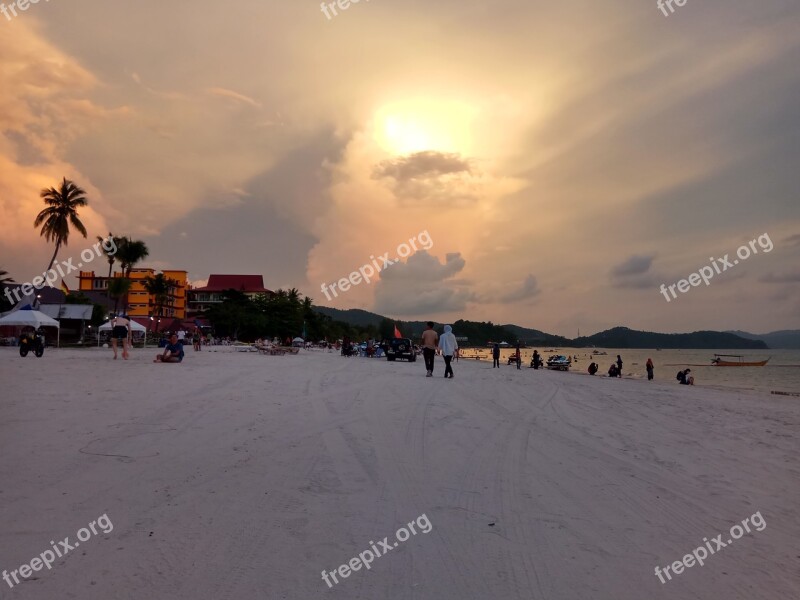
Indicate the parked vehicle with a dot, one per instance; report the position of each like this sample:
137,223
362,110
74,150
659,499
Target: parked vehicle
401,348
32,341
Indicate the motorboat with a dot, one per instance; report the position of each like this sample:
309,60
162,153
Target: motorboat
719,361
558,362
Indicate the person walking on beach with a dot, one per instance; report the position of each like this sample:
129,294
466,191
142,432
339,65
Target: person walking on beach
120,332
619,366
650,367
429,341
449,346
496,356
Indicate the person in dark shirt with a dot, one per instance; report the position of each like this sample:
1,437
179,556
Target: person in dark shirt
619,366
496,356
173,353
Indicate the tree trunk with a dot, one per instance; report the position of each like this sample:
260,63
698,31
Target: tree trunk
50,264
110,272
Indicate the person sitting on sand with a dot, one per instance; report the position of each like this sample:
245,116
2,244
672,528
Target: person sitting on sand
684,378
593,368
173,353
612,371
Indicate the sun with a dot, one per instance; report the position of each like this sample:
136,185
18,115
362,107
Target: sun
419,125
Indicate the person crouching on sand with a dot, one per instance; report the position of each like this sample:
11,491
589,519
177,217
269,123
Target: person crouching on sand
650,367
684,378
429,341
173,353
449,346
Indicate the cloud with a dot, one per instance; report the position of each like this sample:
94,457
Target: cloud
792,240
527,290
786,277
438,177
223,93
422,165
421,286
634,273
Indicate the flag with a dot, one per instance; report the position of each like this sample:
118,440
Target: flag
64,287
397,333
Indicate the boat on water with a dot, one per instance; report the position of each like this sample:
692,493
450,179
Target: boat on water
719,361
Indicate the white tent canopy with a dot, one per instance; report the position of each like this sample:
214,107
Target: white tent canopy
32,318
134,326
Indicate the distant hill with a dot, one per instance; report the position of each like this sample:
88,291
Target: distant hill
619,337
534,337
789,338
353,316
622,337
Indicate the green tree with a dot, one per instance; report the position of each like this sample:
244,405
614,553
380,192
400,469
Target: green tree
5,281
159,287
129,254
61,212
111,255
118,288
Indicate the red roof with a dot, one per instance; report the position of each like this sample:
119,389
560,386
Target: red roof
242,283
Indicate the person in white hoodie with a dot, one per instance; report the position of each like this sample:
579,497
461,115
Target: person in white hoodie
448,345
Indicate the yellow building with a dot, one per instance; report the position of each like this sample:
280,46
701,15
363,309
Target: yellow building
140,302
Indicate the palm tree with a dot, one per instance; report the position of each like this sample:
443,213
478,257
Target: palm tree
62,210
4,283
129,253
117,288
111,253
159,287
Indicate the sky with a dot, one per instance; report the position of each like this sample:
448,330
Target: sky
561,160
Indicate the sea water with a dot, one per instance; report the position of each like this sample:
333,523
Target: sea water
782,372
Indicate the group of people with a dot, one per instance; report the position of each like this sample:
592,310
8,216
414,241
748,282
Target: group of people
121,335
615,370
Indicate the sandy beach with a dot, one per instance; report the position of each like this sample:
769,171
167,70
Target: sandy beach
242,476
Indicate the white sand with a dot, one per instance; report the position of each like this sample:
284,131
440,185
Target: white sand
239,476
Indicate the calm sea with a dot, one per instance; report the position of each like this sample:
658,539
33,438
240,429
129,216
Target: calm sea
782,373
